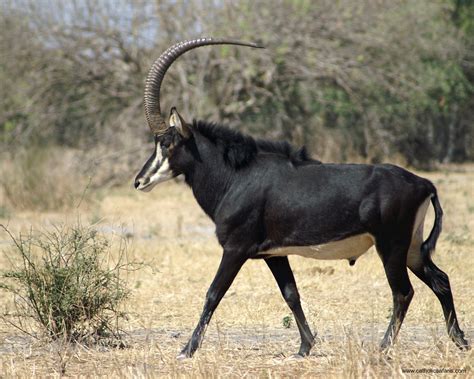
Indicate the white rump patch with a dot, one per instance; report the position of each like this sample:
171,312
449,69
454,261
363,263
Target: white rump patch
414,259
348,248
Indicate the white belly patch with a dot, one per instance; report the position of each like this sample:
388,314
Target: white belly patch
347,248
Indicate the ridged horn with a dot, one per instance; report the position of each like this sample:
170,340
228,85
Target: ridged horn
155,120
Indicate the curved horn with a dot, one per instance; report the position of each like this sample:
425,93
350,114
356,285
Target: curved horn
157,72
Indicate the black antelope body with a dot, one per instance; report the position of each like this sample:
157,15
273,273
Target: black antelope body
268,201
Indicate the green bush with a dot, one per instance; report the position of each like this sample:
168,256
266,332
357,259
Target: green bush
64,284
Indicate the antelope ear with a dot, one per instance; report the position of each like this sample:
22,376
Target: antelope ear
176,121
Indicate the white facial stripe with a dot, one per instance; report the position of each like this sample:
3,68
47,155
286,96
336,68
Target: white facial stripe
163,173
158,171
158,158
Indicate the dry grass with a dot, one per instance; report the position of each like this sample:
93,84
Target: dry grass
40,179
348,306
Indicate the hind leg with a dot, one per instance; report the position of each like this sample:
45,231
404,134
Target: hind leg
438,281
281,270
394,261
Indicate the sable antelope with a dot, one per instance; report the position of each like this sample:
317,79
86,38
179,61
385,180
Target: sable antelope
269,200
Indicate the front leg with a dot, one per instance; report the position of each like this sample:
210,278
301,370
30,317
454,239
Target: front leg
230,265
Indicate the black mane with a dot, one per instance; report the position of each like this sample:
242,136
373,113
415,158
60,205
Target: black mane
240,150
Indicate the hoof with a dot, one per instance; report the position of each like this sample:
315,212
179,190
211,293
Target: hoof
182,357
386,350
295,357
463,345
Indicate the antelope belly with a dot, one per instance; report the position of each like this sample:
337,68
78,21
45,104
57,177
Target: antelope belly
347,248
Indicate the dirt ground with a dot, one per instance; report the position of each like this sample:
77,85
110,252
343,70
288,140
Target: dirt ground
348,306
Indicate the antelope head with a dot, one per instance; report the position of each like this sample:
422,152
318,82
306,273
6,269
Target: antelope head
171,136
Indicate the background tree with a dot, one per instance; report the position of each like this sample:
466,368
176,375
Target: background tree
369,81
